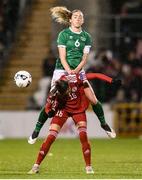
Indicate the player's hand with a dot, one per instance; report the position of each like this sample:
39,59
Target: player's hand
116,83
69,71
73,72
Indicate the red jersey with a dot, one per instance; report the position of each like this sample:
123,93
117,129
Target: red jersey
77,101
74,102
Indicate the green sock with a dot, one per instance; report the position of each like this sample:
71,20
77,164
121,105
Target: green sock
98,110
41,120
38,126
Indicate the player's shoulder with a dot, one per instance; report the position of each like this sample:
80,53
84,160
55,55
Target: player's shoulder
64,31
86,33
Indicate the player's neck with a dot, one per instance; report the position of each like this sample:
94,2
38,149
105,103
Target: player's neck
75,30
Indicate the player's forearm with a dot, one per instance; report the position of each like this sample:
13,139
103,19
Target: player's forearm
82,63
65,65
62,55
100,76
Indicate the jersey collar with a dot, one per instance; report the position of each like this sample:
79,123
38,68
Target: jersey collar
74,32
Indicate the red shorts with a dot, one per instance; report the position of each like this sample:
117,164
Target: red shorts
61,117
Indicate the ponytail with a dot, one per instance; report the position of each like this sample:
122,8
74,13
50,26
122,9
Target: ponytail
61,14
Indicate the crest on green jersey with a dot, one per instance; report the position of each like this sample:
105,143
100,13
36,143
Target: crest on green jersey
83,38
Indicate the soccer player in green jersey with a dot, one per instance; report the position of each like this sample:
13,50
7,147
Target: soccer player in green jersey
74,45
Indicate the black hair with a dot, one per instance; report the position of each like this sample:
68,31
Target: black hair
62,96
62,86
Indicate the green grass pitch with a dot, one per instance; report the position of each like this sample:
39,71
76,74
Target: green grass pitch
118,158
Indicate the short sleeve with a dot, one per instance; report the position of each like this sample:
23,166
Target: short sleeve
88,44
61,40
88,40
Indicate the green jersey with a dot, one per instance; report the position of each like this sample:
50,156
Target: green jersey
74,44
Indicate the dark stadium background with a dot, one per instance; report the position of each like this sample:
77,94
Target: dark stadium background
28,42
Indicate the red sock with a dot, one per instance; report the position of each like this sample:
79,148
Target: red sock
85,147
46,146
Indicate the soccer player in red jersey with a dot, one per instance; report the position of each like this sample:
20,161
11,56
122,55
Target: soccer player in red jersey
51,106
67,99
74,104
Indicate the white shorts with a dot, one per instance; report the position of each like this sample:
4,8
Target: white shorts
59,72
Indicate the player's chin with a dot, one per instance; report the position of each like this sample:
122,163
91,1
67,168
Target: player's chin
78,26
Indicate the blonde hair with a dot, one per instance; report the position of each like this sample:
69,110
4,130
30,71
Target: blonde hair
62,15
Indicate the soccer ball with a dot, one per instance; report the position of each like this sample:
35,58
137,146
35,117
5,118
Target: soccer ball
23,79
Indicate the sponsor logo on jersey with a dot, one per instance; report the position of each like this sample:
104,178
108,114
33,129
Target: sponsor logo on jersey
83,38
74,89
72,78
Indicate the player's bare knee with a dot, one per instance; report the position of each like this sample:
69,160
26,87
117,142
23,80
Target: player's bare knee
54,130
54,127
82,126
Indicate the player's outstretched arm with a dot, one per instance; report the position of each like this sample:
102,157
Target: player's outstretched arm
115,82
100,76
